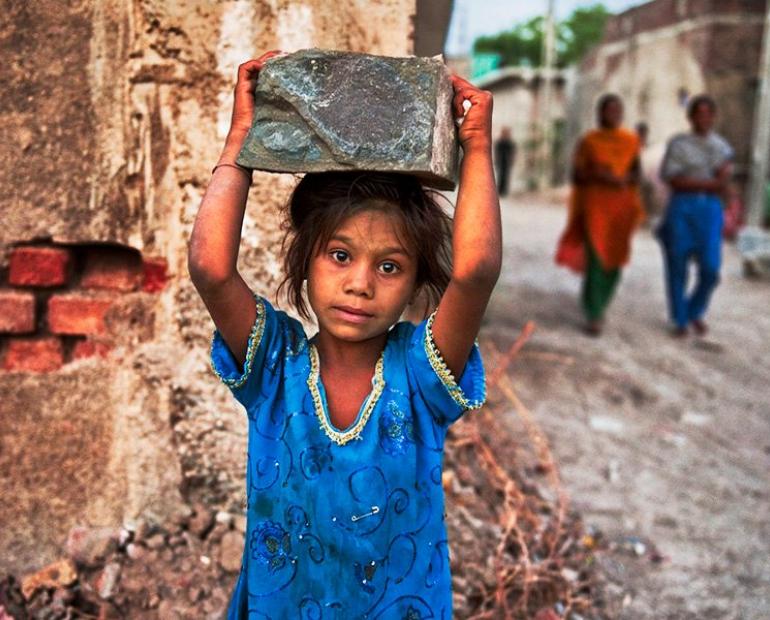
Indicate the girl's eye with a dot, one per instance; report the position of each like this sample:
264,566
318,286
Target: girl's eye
389,267
341,256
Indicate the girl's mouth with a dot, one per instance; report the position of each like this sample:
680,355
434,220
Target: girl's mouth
352,315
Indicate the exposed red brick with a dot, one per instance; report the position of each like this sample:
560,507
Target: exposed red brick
39,266
113,268
78,314
17,312
155,272
33,355
90,348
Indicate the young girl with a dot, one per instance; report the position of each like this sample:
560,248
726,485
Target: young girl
346,429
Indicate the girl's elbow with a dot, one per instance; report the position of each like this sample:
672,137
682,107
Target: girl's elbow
206,276
483,275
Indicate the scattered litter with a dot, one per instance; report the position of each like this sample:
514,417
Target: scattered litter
606,424
635,545
612,473
675,439
696,419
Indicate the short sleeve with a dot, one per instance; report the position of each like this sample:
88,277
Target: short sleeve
726,153
445,397
260,372
673,161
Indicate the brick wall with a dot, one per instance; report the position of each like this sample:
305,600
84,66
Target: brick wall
60,303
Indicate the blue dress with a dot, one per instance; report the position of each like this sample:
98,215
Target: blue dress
344,524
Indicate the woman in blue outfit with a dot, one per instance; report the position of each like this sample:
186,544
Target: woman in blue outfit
697,166
347,428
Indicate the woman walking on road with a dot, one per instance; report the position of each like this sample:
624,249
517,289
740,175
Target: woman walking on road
604,211
697,166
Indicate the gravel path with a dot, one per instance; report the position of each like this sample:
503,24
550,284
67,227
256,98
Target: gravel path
664,440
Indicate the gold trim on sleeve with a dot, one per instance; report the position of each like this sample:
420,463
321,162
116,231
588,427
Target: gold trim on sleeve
445,374
255,337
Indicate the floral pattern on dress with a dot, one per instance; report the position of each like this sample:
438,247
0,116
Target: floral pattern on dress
396,430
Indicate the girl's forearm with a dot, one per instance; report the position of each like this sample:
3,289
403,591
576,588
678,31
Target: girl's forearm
216,234
477,236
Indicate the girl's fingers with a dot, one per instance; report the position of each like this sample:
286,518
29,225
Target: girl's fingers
474,95
250,69
270,54
459,82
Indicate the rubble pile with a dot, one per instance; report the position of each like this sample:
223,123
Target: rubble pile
183,571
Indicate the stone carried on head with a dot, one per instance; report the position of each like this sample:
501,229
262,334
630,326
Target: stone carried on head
319,111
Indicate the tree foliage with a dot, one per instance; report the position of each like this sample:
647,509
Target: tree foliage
522,45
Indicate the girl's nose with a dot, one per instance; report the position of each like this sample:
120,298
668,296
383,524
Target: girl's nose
359,281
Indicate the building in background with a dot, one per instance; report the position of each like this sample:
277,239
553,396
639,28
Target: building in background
659,54
518,96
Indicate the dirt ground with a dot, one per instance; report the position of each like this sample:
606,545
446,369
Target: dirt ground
663,445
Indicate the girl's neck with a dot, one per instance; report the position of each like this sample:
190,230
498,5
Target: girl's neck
340,354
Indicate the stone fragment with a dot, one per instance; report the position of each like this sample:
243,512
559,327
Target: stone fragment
61,599
108,611
134,551
201,521
168,611
326,110
91,546
108,580
61,573
231,551
215,533
156,541
240,523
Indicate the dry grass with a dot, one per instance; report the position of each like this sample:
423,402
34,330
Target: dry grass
505,495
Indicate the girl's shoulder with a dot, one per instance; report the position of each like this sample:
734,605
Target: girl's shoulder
402,331
283,319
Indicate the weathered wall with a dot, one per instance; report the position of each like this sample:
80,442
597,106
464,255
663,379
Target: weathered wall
112,114
657,54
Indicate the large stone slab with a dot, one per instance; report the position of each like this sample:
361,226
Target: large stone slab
323,110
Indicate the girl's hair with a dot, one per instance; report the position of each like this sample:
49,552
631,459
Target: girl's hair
322,201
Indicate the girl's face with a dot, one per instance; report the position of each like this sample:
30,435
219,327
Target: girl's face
360,283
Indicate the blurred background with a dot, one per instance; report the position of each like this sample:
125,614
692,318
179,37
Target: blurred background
633,467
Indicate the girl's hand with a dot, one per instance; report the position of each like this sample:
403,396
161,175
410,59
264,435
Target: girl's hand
476,129
243,106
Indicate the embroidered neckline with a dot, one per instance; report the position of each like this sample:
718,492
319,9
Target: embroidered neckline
354,430
445,374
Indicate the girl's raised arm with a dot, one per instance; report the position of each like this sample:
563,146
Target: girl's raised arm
215,240
477,236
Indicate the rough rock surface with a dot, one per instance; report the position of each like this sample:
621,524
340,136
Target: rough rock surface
324,110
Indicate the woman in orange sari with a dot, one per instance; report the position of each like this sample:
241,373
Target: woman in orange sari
604,211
